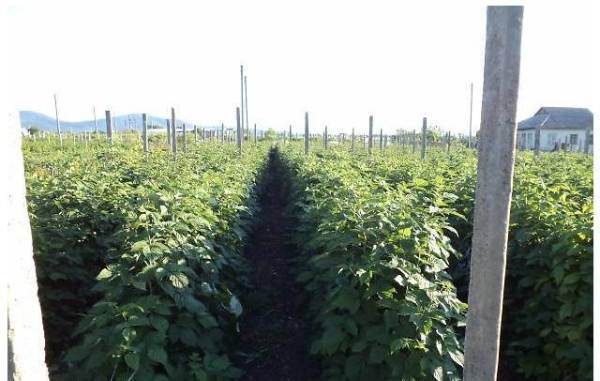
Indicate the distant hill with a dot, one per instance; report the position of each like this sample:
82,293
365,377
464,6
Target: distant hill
120,122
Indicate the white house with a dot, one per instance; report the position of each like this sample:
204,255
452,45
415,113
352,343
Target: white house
560,127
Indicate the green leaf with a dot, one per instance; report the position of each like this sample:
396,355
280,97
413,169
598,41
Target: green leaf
347,298
377,354
457,356
157,354
352,366
179,280
132,360
139,246
571,278
160,323
104,274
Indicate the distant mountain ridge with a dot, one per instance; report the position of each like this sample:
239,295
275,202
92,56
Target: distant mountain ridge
120,122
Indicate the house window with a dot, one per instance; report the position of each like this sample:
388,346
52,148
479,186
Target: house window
550,139
573,139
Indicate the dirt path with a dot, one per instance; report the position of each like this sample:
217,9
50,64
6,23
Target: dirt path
275,335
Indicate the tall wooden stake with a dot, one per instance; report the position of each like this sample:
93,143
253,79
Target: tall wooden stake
353,139
173,133
246,107
306,136
222,132
370,134
493,191
242,95
239,130
109,130
57,121
423,138
168,133
95,121
145,133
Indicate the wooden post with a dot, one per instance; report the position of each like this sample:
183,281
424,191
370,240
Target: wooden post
493,191
471,117
109,130
95,121
57,121
222,132
381,139
168,133
306,136
242,96
353,138
325,138
414,141
239,130
449,141
385,141
423,138
173,133
184,139
370,134
290,130
145,133
246,108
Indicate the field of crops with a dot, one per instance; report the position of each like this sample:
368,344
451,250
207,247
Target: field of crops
146,264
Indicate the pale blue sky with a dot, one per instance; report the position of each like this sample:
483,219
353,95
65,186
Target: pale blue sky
339,60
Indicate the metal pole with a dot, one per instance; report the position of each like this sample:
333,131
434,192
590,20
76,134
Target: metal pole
493,191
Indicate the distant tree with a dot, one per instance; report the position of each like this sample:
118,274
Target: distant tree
33,130
270,134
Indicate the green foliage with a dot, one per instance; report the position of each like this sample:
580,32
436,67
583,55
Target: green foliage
377,251
157,244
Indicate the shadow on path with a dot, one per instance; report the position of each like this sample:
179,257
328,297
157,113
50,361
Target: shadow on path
275,334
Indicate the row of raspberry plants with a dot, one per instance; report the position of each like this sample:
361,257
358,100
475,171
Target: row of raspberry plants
375,266
147,251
